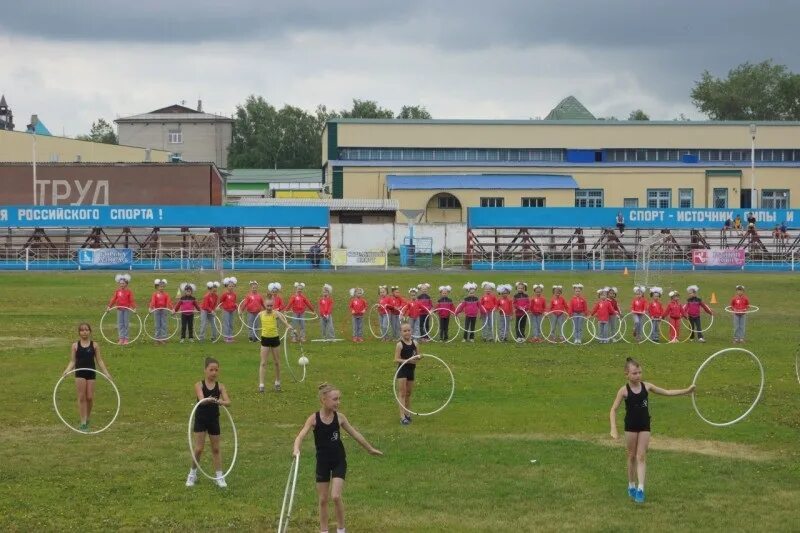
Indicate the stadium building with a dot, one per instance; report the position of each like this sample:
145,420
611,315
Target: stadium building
445,166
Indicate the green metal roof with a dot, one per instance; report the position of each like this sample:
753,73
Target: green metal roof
268,175
570,122
569,109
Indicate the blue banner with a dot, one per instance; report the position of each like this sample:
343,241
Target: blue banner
121,258
587,217
163,216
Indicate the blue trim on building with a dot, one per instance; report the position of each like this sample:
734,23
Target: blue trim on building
535,164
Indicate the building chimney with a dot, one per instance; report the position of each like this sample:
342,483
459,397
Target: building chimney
200,106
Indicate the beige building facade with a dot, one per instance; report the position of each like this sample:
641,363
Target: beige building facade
612,163
187,134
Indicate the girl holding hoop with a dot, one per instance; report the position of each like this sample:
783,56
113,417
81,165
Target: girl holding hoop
638,308
326,313
358,306
604,310
488,303
506,307
327,424
412,311
270,342
160,305
656,312
578,309
384,302
739,304
425,305
471,307
405,349
274,289
637,423
538,308
444,307
558,308
123,301
206,420
397,304
299,304
693,306
674,313
208,308
521,304
84,354
187,305
253,304
229,303
613,327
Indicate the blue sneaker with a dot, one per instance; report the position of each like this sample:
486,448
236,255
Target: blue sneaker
639,498
405,421
632,492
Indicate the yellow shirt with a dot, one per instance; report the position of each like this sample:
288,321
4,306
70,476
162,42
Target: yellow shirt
269,324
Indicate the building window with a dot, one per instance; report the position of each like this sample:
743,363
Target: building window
775,199
685,198
347,218
492,202
589,198
447,201
533,202
175,137
720,198
631,203
659,198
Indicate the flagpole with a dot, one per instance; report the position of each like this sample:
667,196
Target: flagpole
34,168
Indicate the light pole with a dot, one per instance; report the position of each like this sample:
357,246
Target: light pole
753,199
34,168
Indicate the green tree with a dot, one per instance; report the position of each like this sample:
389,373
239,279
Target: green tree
638,114
414,112
366,109
762,91
101,132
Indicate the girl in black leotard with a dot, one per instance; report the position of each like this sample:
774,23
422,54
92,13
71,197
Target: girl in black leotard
637,423
405,350
85,353
327,424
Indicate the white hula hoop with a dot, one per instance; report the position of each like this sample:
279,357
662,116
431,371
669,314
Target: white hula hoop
118,307
218,322
595,323
452,386
439,322
240,312
513,324
326,340
590,329
288,494
433,325
624,319
241,327
752,406
685,321
286,356
750,309
797,364
169,318
372,308
550,315
649,335
314,316
496,322
191,443
73,428
462,329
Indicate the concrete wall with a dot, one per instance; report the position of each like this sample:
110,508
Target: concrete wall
202,141
387,236
17,147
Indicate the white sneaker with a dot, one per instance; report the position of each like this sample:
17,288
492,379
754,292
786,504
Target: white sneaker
191,479
220,481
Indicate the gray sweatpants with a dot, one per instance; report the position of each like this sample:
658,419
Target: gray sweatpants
227,323
160,318
358,326
578,320
557,325
206,320
739,321
488,326
123,320
326,326
536,321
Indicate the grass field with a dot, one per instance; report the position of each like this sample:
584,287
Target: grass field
466,469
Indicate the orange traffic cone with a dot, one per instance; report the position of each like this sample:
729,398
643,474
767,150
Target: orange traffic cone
626,272
713,298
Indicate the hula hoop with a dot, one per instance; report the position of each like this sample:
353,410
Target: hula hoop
436,311
240,313
594,319
797,364
525,334
326,340
590,329
462,329
73,428
283,525
170,318
433,324
452,386
289,363
623,320
497,324
303,318
661,335
685,321
750,309
191,443
218,323
550,315
752,406
369,322
238,331
118,307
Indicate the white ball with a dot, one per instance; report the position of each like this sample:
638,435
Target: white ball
303,361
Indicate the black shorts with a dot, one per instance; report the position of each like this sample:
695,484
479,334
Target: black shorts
207,424
270,342
637,426
327,469
407,372
86,374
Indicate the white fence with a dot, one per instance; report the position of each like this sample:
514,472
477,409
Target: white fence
386,236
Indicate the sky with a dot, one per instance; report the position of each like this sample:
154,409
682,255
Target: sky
74,62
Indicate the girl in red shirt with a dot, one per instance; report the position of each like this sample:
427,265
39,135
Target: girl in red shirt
603,310
639,309
396,307
358,306
229,303
412,312
275,291
538,308
253,304
425,306
160,307
488,303
739,304
505,306
208,309
656,312
578,309
123,298
674,313
298,304
613,320
693,307
558,309
326,312
384,303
